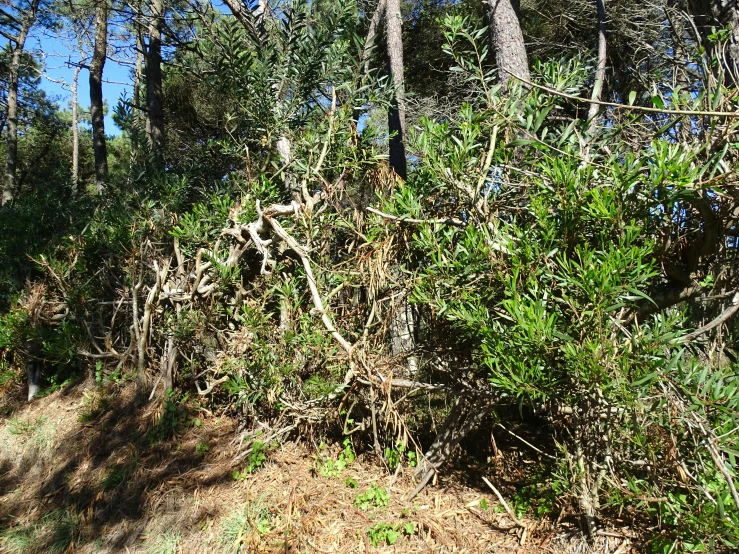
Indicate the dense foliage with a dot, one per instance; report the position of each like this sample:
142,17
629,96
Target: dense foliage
576,276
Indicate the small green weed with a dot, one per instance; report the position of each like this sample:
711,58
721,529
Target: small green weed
93,405
395,456
256,459
374,497
384,532
120,473
167,543
202,448
53,534
26,428
18,539
333,468
172,418
242,522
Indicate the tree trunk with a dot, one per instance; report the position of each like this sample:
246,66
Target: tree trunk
11,157
75,132
372,33
600,71
507,40
396,113
720,14
137,125
99,55
154,93
403,332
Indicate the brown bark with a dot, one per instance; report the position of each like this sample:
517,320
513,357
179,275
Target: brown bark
245,17
507,40
99,55
154,92
396,113
11,159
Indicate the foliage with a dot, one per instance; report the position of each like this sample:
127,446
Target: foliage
385,533
374,497
396,455
333,468
173,416
256,459
555,266
243,522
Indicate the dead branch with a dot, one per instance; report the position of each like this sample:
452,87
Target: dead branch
510,512
722,318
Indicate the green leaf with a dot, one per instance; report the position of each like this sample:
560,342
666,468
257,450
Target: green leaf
658,102
632,97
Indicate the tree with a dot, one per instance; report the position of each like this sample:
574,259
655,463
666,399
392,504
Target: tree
507,40
19,22
97,63
397,110
154,91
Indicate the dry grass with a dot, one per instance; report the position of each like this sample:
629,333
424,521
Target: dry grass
125,494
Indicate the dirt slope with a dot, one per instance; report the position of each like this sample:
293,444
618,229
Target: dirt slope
99,471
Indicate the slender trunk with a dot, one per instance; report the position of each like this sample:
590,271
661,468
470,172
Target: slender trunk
99,55
138,75
402,325
154,93
11,157
507,40
75,132
396,113
403,332
372,33
600,71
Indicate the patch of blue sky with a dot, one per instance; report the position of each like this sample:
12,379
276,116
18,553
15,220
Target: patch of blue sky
59,52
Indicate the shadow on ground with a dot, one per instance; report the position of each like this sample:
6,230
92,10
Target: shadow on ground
100,477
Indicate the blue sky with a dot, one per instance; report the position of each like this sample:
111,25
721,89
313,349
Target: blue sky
56,52
57,49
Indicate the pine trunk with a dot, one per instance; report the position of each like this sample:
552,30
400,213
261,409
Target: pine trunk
99,145
396,113
137,110
507,40
600,71
75,133
11,157
154,93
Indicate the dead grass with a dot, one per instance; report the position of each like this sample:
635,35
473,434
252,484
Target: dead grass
109,489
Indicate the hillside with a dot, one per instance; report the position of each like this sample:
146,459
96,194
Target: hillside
79,475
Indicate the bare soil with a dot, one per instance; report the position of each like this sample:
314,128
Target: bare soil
81,471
